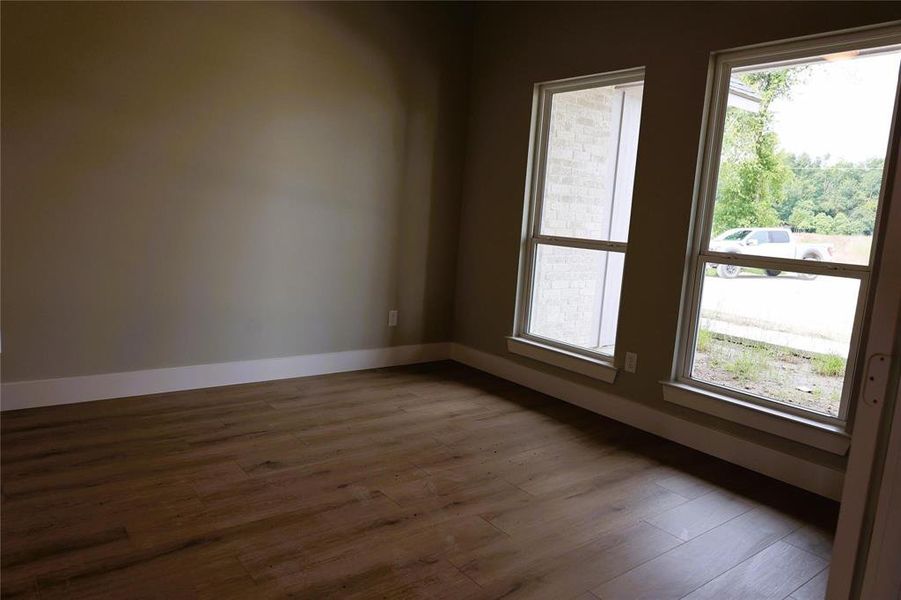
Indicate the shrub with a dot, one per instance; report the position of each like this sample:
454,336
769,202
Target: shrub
831,365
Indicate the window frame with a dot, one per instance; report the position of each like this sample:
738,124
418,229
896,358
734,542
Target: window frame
531,236
722,65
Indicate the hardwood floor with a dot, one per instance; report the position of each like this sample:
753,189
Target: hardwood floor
432,481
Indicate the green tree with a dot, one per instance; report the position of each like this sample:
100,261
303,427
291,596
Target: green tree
761,186
822,223
841,224
846,192
802,215
753,174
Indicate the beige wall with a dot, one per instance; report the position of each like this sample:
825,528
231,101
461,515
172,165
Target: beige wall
207,182
541,42
198,183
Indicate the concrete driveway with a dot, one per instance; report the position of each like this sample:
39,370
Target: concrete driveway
813,315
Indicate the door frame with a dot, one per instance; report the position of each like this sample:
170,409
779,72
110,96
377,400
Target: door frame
876,407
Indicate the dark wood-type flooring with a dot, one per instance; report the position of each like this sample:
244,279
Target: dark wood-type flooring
431,481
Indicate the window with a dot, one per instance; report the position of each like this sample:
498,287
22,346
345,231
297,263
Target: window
759,237
584,147
779,236
788,207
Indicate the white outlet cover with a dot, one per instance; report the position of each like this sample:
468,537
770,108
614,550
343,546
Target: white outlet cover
631,362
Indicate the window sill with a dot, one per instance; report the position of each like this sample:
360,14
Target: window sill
830,438
596,368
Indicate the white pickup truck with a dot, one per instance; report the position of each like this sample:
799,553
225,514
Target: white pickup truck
765,241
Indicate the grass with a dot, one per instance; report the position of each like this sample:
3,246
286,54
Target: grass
749,364
830,365
743,362
704,340
769,371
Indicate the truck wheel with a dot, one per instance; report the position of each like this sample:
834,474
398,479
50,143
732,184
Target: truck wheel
772,273
728,271
809,276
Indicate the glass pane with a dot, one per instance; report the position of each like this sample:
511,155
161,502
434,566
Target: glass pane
803,148
783,336
590,167
575,296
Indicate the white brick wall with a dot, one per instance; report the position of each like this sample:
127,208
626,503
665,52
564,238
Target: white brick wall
569,288
581,150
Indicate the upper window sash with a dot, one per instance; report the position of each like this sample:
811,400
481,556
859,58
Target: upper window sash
540,227
729,63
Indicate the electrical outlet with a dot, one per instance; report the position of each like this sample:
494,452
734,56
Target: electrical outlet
631,362
392,318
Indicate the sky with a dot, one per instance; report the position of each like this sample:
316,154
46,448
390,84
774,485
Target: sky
843,109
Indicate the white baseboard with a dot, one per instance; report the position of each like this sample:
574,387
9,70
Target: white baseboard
68,390
810,476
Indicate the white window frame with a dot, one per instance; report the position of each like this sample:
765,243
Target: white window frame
575,358
729,402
